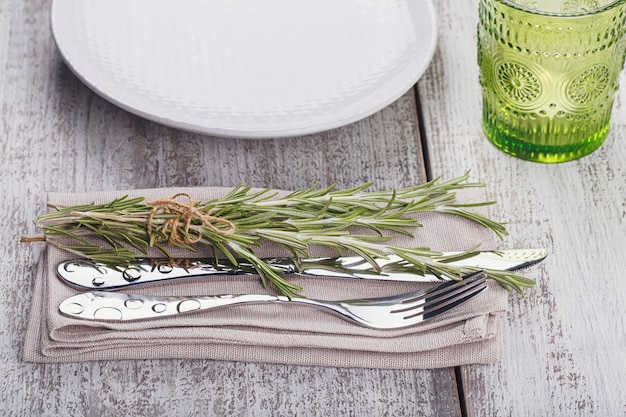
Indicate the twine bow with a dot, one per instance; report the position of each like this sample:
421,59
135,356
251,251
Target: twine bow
184,214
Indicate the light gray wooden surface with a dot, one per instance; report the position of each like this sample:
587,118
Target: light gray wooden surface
563,345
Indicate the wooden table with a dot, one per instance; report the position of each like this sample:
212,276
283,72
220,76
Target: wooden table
563,344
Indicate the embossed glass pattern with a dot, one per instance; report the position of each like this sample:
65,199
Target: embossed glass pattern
549,71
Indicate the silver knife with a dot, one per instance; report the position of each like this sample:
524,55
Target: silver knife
85,274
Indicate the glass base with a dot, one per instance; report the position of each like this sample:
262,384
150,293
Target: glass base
549,154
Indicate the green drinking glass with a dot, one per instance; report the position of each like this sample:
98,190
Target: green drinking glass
549,71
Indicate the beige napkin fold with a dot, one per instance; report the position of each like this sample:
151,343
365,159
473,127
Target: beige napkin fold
275,333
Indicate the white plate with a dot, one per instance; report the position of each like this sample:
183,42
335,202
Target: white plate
247,68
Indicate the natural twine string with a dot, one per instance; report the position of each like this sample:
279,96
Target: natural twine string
185,212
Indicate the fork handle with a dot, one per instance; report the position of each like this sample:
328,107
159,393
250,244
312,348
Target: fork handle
102,305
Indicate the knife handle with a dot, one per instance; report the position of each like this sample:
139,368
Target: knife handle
86,274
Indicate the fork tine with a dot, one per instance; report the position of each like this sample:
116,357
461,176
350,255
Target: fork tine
445,297
464,286
440,308
439,291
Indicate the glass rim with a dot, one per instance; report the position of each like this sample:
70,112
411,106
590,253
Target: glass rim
595,11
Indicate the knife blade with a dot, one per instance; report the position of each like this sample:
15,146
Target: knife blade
86,274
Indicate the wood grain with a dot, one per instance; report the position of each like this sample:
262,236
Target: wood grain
57,135
563,343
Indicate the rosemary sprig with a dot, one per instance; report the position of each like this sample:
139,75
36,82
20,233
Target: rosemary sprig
236,224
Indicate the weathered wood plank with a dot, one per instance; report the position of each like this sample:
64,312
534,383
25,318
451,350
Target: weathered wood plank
56,135
563,344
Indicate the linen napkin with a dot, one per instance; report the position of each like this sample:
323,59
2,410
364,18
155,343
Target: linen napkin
272,333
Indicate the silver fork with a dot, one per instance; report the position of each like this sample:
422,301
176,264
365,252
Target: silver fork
381,313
